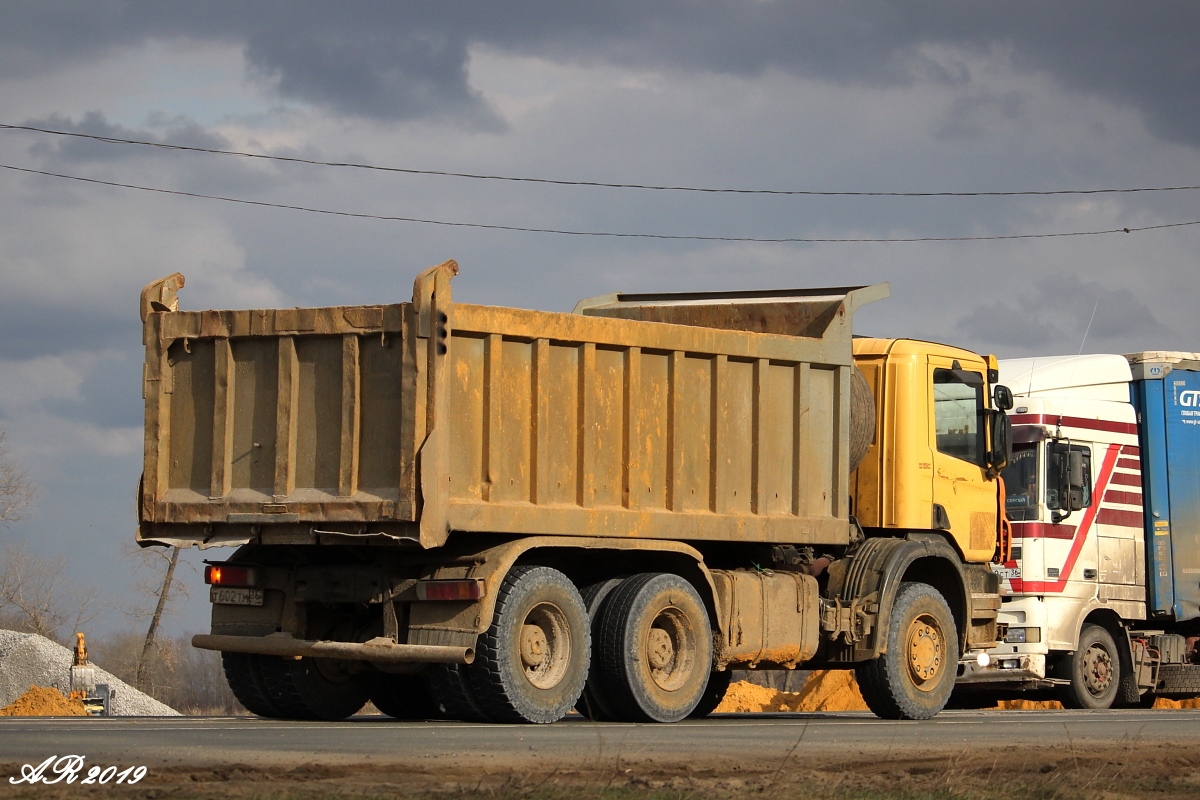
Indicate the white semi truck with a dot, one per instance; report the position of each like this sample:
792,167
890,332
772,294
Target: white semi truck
1101,592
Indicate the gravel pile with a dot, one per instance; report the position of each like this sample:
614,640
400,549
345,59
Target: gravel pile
27,659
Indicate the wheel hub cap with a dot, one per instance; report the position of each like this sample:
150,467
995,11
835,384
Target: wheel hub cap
533,645
925,653
662,649
1098,671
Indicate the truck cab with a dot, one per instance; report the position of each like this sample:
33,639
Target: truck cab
1074,501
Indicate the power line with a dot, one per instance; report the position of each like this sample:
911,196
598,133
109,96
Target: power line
608,234
596,184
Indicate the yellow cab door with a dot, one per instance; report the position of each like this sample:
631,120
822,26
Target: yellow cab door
964,499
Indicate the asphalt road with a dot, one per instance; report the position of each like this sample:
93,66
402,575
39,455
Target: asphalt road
199,741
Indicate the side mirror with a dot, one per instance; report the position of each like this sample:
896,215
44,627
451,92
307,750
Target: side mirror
1074,494
1002,397
1001,452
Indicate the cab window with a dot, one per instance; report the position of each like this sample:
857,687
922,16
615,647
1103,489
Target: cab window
1021,482
957,410
1057,461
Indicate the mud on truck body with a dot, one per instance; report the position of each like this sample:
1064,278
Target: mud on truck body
498,514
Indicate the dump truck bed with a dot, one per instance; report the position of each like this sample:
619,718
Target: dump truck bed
407,421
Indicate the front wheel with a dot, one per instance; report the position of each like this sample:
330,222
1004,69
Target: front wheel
914,678
1093,670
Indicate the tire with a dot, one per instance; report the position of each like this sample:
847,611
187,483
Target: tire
313,688
246,682
972,700
403,696
655,648
452,694
1094,671
593,703
714,693
532,663
914,678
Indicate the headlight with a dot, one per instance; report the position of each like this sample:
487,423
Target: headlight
1023,635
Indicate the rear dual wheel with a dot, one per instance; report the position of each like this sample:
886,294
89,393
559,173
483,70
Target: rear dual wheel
655,648
403,696
305,688
532,663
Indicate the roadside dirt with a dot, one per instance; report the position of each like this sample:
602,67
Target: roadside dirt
42,701
825,690
1047,771
837,690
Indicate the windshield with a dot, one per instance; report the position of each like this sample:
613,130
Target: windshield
1021,483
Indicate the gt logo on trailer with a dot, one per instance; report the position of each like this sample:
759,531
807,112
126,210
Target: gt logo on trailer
1190,398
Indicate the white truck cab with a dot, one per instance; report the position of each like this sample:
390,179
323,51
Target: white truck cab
1075,577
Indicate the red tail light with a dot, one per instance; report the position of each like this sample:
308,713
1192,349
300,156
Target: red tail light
230,575
467,589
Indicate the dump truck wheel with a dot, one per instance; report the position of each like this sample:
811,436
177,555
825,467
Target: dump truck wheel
914,678
532,663
403,696
313,688
655,648
245,680
1094,671
593,703
452,694
718,685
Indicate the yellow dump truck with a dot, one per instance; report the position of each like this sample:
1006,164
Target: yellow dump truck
498,514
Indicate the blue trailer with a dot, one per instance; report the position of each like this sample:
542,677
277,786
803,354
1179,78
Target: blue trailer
1166,396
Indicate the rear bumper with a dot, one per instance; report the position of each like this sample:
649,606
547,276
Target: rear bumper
385,652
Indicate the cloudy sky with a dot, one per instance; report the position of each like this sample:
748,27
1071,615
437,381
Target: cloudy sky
872,96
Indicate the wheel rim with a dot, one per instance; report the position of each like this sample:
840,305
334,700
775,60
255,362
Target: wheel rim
670,649
1097,670
333,670
545,644
926,652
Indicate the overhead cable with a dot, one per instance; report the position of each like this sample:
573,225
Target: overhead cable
596,184
609,234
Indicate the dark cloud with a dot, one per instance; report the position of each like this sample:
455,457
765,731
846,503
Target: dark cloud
178,131
109,394
397,60
1060,316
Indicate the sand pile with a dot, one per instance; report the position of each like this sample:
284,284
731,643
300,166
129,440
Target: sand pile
1028,705
837,690
27,659
42,701
1164,702
825,690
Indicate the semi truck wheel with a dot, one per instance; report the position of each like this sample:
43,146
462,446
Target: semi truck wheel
1094,671
593,703
914,678
531,664
714,693
655,648
403,696
452,693
313,688
245,680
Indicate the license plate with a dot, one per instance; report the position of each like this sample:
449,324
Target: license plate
235,597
